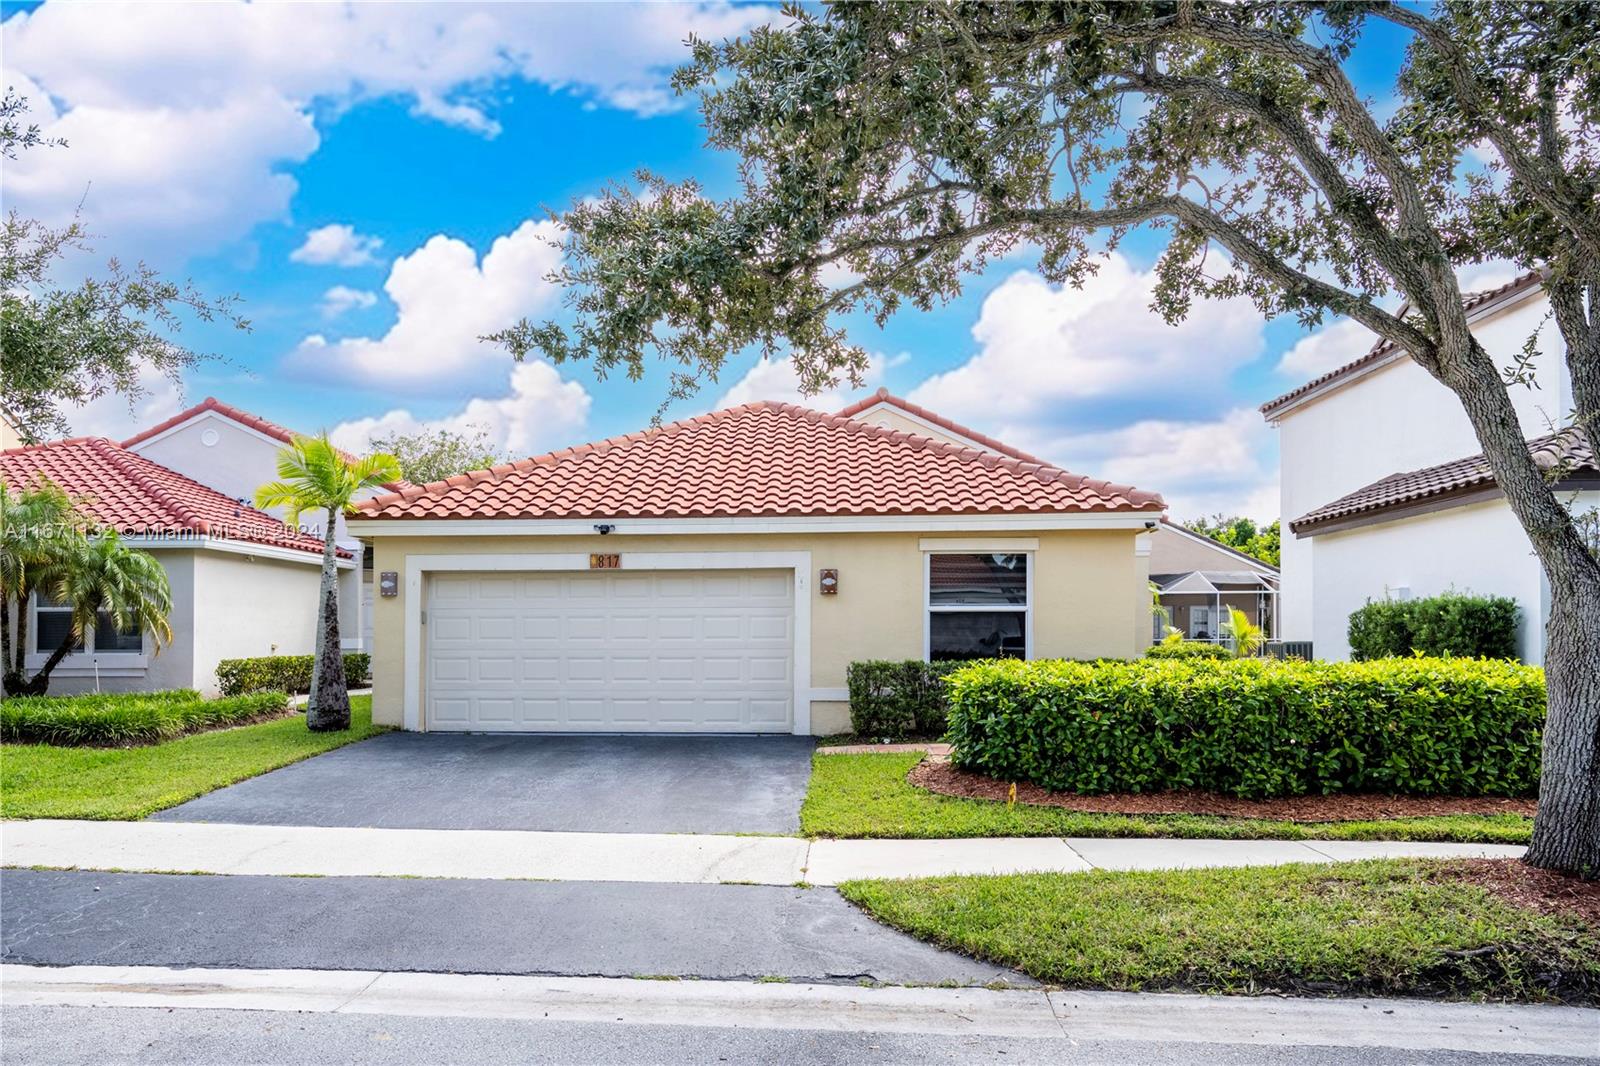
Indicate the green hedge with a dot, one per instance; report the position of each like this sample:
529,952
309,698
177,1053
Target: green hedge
1252,727
1450,624
1188,649
892,700
107,719
285,673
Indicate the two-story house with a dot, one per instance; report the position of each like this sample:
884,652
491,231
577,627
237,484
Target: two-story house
1385,494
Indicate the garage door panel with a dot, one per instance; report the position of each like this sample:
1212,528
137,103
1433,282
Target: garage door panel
679,651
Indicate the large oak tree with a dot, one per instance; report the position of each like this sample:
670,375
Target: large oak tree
909,143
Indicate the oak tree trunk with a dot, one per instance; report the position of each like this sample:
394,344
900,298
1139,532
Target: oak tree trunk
328,707
1566,829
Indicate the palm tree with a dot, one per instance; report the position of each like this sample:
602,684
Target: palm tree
45,548
1248,638
38,533
106,582
313,475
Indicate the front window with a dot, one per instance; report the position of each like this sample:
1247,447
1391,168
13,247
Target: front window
977,606
52,623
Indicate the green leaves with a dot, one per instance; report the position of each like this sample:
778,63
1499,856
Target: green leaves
313,475
114,720
1449,624
1253,728
894,700
284,673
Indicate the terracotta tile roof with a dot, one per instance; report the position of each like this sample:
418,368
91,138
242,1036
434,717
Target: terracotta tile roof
122,489
1382,349
761,459
1567,450
884,396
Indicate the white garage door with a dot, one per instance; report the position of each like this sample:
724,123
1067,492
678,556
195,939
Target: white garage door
618,651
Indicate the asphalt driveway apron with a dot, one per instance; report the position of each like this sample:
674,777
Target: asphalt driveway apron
598,784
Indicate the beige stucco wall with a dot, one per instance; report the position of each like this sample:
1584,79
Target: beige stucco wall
1173,553
1084,602
247,606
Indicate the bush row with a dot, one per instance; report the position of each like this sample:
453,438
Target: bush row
285,673
892,700
106,719
1188,649
1451,624
1251,727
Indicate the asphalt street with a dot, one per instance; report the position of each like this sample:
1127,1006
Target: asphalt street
60,1036
593,784
615,929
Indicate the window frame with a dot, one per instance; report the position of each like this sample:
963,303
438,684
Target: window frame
929,608
88,650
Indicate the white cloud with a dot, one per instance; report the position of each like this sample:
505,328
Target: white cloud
776,380
114,415
341,298
184,114
1200,468
538,412
1044,348
337,244
445,300
1327,349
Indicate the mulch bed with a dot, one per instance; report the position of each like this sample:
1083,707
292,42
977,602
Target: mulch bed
938,775
1526,886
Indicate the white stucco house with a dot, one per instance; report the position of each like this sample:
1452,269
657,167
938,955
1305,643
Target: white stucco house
242,583
234,452
1384,493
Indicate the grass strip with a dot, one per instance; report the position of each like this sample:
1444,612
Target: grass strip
47,781
1377,928
863,796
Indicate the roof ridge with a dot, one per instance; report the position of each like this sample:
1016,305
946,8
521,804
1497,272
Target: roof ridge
883,395
1469,302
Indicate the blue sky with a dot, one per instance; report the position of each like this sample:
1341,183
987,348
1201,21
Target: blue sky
372,180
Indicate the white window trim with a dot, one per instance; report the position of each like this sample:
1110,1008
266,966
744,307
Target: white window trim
928,606
418,567
88,660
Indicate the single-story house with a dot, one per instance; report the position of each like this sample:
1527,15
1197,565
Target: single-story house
719,574
235,452
243,584
1199,581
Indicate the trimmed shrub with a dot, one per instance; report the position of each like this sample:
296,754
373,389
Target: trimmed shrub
1449,624
285,673
897,699
1252,727
1188,649
110,719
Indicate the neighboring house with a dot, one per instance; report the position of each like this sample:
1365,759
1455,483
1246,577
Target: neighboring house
719,574
1383,493
235,452
242,583
1200,581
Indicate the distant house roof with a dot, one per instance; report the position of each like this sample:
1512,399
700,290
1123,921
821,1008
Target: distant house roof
1384,352
762,459
244,418
122,489
883,396
1212,580
1567,453
1212,542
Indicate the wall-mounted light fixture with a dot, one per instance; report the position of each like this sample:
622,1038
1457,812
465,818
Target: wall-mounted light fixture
829,585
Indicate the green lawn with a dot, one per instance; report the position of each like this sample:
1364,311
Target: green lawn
39,781
867,796
1394,927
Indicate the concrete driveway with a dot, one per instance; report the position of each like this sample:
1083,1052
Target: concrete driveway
600,784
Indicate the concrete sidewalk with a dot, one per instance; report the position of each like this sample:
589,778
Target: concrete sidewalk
196,847
1488,1029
